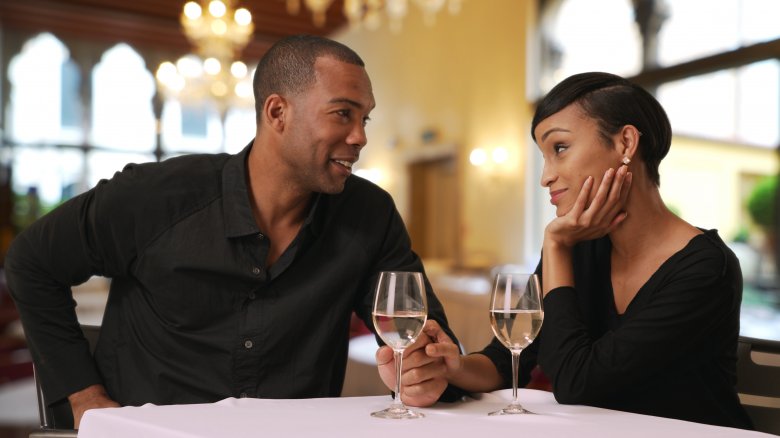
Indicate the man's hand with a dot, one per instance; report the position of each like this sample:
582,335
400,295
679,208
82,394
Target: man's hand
426,365
91,397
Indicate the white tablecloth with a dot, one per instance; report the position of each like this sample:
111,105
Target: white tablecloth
349,417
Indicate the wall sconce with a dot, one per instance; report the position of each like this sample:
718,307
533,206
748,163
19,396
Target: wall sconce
478,157
498,156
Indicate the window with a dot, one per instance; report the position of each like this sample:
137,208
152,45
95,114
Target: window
122,114
588,38
698,28
44,104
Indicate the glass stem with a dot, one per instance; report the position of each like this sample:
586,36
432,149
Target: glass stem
399,357
515,370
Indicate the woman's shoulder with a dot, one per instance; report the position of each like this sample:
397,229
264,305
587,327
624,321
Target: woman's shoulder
706,252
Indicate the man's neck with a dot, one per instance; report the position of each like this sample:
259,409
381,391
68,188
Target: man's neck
276,200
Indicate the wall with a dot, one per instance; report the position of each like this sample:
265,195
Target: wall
702,180
464,77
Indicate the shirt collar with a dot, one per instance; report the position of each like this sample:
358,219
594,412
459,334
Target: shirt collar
236,207
237,210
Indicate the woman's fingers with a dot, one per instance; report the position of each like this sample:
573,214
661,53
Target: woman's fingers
581,202
615,201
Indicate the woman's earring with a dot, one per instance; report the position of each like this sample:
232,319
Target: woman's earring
626,160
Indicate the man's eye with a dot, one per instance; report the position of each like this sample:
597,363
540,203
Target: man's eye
343,113
366,120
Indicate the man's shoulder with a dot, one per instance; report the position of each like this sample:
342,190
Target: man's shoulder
183,173
174,186
181,166
363,190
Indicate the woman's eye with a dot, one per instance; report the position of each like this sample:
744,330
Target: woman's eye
558,148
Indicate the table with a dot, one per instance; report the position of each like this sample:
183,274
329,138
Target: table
349,417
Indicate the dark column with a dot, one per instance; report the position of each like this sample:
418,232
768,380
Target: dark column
650,16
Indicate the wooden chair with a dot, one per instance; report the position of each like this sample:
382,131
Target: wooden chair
758,382
57,418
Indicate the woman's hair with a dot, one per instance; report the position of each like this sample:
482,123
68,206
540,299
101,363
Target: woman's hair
614,102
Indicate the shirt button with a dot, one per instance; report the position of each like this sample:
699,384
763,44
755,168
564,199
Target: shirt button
260,235
256,270
248,344
252,296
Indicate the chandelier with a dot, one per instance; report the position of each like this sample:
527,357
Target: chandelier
218,32
368,13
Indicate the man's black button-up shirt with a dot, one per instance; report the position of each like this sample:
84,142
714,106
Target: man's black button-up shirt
193,314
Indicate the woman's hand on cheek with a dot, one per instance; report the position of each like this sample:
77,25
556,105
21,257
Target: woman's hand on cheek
605,212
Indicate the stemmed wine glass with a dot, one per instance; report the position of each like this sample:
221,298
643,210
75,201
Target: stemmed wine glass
516,315
400,311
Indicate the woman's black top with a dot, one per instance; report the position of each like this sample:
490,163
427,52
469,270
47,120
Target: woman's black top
672,353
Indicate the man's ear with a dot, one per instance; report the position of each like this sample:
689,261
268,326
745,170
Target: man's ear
274,111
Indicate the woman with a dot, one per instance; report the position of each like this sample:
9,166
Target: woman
641,308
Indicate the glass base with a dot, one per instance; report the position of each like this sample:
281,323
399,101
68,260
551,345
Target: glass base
398,413
512,410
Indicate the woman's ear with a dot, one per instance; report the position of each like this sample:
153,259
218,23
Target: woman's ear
274,111
628,142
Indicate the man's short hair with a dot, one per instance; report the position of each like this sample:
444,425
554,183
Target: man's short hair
287,68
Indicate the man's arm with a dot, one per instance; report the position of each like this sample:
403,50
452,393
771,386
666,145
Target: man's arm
91,397
423,382
65,248
42,264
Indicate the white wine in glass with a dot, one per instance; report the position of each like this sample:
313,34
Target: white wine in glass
400,311
516,315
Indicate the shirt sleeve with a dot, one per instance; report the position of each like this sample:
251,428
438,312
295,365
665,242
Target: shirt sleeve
396,254
62,249
674,328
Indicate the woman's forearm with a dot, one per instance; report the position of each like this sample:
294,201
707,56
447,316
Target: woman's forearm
477,374
557,268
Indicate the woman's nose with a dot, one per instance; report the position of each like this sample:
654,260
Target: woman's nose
547,176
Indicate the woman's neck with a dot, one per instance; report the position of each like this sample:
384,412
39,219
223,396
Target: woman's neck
648,222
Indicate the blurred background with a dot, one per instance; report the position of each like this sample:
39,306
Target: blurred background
90,85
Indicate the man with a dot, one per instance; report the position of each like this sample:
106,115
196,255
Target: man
231,275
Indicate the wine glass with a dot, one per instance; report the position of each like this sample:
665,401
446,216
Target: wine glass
516,315
400,311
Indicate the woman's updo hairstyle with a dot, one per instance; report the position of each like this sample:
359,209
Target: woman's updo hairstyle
613,102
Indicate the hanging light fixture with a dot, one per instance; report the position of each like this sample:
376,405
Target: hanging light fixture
368,13
218,32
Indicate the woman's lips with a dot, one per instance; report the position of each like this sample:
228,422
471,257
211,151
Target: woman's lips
556,196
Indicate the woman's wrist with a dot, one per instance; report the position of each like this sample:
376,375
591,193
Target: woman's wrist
557,268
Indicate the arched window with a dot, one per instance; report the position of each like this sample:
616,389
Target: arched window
44,105
190,127
123,122
45,111
122,114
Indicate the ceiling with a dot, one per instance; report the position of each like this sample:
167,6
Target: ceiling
152,24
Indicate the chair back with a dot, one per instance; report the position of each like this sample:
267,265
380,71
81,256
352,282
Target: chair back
758,382
57,418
